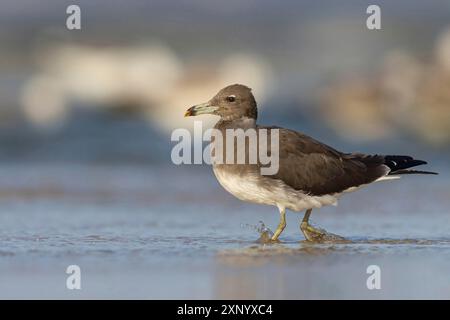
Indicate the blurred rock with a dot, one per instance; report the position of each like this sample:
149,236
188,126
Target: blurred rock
148,80
406,96
352,108
442,52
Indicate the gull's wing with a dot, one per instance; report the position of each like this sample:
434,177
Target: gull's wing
317,169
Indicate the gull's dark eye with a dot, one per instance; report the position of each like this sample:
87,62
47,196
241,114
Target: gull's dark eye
231,98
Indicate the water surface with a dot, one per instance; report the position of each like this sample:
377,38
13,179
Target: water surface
143,231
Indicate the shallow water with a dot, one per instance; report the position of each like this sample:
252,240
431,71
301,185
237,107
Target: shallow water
172,232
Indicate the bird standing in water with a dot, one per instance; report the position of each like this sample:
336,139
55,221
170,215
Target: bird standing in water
310,174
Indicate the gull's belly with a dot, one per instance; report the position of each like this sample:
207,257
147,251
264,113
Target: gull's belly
252,187
244,186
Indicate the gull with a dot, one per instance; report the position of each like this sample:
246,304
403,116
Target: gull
310,175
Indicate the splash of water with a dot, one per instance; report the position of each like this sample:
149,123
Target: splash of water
265,234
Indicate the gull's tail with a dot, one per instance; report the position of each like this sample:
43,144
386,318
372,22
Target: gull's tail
401,165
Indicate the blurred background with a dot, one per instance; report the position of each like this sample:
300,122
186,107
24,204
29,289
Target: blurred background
86,117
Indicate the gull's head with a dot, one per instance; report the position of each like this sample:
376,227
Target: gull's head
231,103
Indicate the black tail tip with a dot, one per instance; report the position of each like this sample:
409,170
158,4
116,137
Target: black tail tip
406,171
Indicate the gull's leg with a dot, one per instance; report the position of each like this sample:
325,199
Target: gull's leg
311,233
315,234
281,225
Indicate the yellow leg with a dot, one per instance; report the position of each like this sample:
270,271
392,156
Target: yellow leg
311,233
306,216
281,225
315,234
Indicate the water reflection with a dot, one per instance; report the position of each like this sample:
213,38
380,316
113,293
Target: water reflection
301,270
